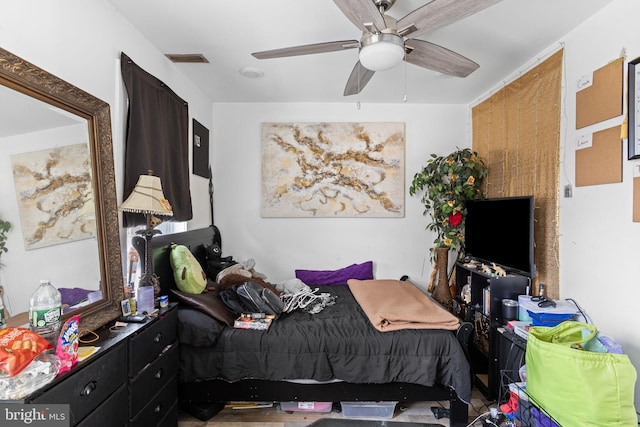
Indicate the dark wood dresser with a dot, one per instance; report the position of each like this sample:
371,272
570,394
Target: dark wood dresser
153,373
132,380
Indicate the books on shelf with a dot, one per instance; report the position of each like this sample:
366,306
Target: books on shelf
520,328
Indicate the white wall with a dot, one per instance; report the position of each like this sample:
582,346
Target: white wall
599,243
80,42
398,246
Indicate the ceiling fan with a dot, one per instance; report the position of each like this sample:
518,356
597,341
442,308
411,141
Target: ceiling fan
386,41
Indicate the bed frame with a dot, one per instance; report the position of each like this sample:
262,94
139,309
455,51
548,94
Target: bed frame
206,398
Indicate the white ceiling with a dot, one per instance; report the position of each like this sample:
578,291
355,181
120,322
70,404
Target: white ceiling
502,39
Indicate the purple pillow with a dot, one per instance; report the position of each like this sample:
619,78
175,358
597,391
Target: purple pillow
362,271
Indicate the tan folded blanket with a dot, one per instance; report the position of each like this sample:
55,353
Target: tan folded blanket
394,304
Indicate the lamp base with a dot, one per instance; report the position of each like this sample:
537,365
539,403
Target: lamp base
151,280
148,278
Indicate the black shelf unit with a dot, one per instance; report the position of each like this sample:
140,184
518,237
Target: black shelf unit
484,351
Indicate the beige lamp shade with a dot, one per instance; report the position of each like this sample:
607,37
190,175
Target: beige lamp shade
147,198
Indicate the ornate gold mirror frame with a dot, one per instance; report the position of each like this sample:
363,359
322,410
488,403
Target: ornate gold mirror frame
35,82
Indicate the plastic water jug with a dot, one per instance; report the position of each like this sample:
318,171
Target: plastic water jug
45,310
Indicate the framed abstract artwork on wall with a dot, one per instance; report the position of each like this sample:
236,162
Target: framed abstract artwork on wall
340,169
55,195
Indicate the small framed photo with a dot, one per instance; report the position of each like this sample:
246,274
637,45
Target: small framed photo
126,307
633,109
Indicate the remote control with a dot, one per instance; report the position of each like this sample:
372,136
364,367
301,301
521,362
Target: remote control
138,318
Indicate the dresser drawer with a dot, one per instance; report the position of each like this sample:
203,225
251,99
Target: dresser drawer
153,378
110,413
148,344
171,419
89,385
159,406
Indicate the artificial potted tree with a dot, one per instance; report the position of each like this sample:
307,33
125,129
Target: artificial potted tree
448,181
5,226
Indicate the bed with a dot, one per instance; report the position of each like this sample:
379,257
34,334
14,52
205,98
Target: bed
331,356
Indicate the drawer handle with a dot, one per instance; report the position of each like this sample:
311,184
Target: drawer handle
158,374
89,388
158,337
158,408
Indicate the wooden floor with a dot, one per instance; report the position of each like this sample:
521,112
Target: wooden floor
419,412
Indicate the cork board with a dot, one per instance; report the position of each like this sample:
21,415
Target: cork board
603,98
602,162
636,192
636,199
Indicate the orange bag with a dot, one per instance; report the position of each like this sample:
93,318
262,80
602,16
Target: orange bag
18,347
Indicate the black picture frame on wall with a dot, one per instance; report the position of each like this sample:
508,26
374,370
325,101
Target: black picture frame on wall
200,147
633,109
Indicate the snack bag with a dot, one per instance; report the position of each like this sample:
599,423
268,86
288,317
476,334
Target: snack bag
67,349
18,347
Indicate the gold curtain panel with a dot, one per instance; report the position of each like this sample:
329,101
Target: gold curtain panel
517,132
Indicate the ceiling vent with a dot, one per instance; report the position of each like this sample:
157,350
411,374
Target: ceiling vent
194,58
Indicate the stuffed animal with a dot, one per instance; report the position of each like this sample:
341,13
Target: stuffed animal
215,262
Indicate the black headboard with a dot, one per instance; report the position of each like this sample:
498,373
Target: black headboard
195,240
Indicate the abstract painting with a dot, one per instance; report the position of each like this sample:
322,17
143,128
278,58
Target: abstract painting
55,195
333,169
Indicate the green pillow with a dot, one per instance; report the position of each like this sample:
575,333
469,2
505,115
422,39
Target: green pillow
187,272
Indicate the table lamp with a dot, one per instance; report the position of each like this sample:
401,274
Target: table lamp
147,198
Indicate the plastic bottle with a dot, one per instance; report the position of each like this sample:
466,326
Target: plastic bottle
45,310
3,321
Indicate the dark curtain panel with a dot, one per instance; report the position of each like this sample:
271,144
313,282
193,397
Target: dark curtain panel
157,139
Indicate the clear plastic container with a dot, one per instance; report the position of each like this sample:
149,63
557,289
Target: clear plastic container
145,299
368,409
41,371
306,406
45,310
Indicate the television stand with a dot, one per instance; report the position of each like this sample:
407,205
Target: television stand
483,349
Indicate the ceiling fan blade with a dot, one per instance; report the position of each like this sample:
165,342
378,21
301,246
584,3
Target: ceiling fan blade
438,58
361,12
440,13
358,79
307,49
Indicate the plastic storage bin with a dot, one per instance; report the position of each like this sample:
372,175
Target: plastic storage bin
548,319
548,316
306,406
368,409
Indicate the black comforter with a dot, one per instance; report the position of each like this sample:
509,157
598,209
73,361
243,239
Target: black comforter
339,343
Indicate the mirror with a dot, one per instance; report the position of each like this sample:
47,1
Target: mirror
85,125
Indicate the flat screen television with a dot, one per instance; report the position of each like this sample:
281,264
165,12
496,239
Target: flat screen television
500,230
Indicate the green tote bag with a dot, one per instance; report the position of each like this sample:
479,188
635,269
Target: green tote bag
578,387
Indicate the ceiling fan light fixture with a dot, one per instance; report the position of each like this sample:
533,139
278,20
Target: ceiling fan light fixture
380,52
